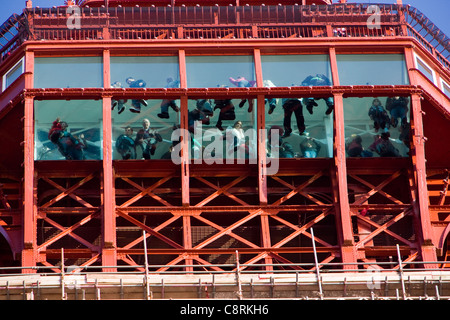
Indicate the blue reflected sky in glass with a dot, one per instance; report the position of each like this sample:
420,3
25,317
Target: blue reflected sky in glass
291,70
13,74
68,72
153,70
372,69
214,71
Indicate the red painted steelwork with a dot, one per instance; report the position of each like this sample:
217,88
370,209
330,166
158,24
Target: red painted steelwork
200,215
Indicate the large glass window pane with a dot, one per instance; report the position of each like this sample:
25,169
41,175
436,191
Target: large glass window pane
145,72
377,126
68,72
303,134
220,71
296,70
372,69
222,130
425,69
446,88
13,74
68,130
144,135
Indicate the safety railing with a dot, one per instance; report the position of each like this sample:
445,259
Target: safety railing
215,22
371,283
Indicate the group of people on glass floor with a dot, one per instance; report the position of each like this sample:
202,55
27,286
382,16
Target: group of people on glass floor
147,139
393,115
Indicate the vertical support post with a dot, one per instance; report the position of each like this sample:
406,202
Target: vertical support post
106,69
262,157
184,133
29,70
316,261
400,269
421,210
260,124
428,250
29,254
339,177
187,241
238,278
109,253
147,284
334,67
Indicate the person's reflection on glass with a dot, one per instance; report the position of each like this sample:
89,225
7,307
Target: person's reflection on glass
147,139
70,146
126,145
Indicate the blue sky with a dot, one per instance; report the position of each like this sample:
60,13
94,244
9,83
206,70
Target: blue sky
436,10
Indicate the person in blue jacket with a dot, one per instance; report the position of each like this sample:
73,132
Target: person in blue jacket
126,145
136,103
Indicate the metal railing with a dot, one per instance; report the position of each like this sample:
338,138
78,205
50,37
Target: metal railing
215,22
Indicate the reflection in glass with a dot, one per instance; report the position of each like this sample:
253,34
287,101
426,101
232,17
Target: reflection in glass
68,72
302,135
372,69
446,88
68,130
296,70
220,71
377,127
152,71
13,74
221,131
427,71
142,136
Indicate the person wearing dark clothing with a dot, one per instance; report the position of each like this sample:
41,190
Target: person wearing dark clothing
126,145
227,111
147,139
310,148
384,147
166,103
293,105
120,102
284,149
70,146
398,108
379,116
136,103
354,147
201,113
318,80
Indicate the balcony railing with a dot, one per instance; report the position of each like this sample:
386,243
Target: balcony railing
215,22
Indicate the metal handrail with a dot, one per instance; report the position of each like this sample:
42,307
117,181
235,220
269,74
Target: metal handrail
336,14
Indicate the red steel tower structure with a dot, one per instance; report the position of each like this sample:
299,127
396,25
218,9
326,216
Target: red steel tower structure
164,60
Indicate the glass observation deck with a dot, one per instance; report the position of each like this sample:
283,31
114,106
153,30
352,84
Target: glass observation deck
302,122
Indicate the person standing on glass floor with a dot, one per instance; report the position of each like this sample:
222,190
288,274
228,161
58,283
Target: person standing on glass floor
136,103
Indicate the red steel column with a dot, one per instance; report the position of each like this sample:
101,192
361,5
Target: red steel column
339,174
421,209
262,161
260,126
342,206
109,253
185,138
29,254
428,250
